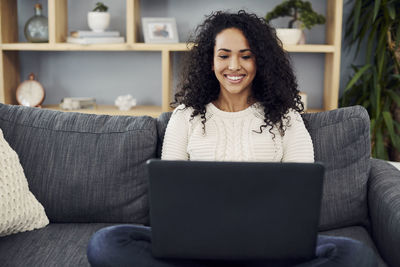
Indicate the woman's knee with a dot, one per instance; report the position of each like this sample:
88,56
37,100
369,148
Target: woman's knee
108,244
346,251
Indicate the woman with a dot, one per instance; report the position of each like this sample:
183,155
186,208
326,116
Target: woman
238,102
239,98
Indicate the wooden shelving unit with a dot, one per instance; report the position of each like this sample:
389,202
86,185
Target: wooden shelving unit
58,31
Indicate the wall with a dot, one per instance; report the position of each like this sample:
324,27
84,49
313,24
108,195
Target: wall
106,75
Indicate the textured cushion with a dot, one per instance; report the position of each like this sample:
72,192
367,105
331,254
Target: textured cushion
57,244
83,167
384,209
19,209
162,122
342,142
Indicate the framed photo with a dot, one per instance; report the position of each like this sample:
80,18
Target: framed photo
160,30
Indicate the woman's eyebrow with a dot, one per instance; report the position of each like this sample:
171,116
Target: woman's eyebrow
241,50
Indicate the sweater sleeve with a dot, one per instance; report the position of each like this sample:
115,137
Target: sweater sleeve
297,143
176,136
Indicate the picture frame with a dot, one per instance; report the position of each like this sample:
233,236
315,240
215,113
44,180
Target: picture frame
160,30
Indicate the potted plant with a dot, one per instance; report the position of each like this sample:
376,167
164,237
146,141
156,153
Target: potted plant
99,18
375,84
303,16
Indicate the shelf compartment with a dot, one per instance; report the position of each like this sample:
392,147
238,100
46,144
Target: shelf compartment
153,111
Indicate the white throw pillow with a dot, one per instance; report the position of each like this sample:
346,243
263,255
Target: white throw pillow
19,209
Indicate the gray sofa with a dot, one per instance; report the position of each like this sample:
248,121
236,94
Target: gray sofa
88,171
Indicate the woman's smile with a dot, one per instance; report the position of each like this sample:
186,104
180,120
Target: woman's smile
235,78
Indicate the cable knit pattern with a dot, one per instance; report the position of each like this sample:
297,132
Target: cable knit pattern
19,209
231,136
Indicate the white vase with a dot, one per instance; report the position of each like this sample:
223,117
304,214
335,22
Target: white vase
289,36
98,21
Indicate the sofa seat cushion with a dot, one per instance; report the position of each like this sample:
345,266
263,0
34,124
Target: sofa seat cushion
57,244
83,167
357,233
341,141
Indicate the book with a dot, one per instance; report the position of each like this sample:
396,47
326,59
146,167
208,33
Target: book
94,34
72,103
95,40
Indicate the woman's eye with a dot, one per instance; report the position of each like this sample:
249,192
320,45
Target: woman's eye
246,57
223,56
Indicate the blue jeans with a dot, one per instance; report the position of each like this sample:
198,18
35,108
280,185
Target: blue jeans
130,245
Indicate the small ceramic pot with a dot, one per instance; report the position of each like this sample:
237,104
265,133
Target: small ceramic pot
289,36
98,21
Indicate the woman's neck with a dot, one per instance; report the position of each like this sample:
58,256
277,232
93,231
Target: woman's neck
233,105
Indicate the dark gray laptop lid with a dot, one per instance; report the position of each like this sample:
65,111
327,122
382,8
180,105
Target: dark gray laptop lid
234,210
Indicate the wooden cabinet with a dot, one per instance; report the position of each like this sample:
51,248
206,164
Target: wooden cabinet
58,31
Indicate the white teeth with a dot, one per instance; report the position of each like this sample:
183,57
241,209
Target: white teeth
235,78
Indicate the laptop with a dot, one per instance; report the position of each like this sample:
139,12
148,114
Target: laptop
234,210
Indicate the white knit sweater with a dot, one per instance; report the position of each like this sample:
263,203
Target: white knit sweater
229,136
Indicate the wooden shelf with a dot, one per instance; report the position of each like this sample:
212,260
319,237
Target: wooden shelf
308,48
58,31
63,47
153,111
314,110
94,47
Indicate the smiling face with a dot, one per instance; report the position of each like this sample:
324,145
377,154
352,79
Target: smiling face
234,64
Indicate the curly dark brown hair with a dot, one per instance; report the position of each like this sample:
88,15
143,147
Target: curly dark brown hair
274,86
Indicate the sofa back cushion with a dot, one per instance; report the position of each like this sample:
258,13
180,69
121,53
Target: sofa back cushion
83,167
162,122
341,141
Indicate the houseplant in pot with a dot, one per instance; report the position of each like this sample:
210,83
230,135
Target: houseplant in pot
303,16
99,18
375,84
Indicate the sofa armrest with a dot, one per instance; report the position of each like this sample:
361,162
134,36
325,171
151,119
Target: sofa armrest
384,209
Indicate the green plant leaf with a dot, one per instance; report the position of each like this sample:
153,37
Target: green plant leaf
380,146
381,49
366,103
357,11
365,27
371,42
387,117
378,107
376,9
397,36
391,11
372,125
357,76
397,125
373,137
395,97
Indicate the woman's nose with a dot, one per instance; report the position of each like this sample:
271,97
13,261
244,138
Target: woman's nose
234,64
